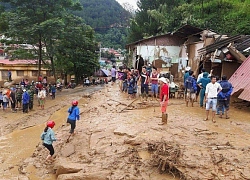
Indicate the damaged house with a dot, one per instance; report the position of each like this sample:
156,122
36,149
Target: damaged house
221,53
190,46
163,51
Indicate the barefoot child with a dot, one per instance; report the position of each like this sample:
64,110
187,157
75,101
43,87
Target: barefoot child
48,137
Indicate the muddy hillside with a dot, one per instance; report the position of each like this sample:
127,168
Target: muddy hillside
118,138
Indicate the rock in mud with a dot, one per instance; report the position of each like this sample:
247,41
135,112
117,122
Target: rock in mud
23,177
86,176
63,166
126,131
68,150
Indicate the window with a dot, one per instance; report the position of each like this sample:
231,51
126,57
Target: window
20,73
35,73
4,75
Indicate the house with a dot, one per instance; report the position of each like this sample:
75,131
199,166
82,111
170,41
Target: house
164,51
190,46
21,69
222,54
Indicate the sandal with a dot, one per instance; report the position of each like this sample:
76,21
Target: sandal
227,117
213,121
205,119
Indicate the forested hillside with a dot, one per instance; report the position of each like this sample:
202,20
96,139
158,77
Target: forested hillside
109,20
161,16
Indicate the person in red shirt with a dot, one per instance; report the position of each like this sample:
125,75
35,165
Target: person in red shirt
164,97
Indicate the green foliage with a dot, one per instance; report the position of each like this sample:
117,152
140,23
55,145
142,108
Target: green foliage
157,17
113,38
109,20
61,37
82,59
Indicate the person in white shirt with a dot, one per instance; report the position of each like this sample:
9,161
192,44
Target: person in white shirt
41,98
201,74
212,90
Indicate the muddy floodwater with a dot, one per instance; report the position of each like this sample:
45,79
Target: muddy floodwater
118,138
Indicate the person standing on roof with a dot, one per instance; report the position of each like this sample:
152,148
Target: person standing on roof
74,114
224,95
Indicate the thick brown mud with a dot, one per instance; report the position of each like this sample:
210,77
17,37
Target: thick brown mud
116,141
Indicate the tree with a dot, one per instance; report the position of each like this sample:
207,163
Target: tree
39,23
76,50
162,16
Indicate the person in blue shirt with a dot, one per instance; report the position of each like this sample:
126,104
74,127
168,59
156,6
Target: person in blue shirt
224,95
26,100
191,86
202,83
48,137
186,75
74,114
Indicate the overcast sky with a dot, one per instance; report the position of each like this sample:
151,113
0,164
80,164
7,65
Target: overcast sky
132,2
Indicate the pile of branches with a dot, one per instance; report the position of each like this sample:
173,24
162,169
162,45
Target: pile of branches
165,156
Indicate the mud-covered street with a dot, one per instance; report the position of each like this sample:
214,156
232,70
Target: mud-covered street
118,138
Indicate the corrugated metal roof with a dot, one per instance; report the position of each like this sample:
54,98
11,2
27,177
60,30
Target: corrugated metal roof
243,45
241,80
217,45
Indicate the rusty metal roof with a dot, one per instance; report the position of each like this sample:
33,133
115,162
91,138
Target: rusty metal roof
241,80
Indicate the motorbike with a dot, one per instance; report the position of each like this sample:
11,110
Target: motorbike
59,87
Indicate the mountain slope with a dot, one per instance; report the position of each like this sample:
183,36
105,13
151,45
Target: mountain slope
103,14
109,20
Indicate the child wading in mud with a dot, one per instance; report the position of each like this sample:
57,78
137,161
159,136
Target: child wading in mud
74,114
48,137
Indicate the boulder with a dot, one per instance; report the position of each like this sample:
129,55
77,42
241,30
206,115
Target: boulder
68,151
63,166
102,175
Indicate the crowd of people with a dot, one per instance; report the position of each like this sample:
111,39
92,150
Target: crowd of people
21,96
214,92
133,82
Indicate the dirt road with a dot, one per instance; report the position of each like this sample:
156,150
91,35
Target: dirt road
116,141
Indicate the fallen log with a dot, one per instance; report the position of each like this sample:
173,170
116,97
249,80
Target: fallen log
128,105
118,102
